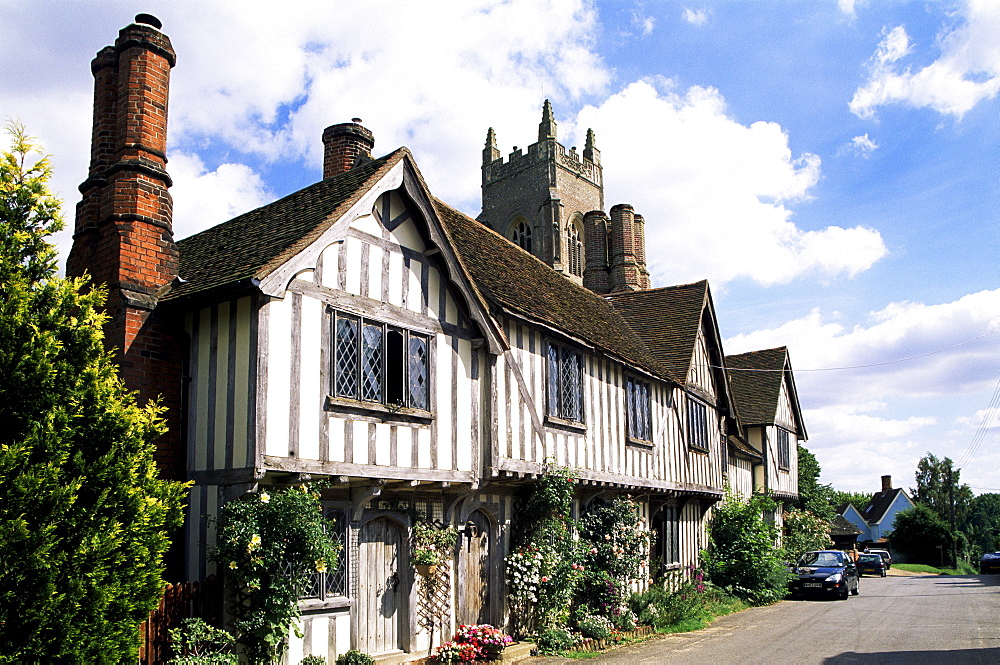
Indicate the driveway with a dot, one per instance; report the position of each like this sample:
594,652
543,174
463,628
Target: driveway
896,619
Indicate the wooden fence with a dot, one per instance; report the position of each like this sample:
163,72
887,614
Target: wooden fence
180,601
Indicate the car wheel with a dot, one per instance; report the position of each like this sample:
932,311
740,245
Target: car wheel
883,573
857,588
844,594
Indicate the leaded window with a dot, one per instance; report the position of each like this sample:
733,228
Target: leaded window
332,582
522,236
784,449
376,362
697,424
637,409
565,383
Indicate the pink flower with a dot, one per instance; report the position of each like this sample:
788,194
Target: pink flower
545,579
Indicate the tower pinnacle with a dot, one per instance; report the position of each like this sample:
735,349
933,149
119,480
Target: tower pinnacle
547,127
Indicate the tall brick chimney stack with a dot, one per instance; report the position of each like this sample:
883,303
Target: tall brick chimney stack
624,270
124,234
886,483
595,273
345,146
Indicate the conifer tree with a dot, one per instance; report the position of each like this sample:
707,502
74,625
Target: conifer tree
84,516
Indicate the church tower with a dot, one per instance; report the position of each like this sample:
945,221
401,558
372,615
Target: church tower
539,198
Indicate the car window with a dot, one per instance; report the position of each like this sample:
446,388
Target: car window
820,559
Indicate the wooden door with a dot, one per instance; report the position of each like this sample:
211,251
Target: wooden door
474,571
381,597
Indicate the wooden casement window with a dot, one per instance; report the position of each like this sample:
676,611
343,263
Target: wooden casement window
666,543
522,236
784,450
331,583
638,411
565,383
697,416
376,362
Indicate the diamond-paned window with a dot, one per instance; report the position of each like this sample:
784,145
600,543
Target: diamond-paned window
371,362
565,383
331,583
375,362
346,350
638,409
697,424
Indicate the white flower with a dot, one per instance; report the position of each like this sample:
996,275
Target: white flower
264,497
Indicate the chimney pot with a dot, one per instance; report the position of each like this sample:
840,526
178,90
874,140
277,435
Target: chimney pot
148,19
886,483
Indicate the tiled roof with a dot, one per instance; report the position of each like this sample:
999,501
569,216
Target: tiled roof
841,526
756,392
508,276
667,320
742,447
256,242
881,501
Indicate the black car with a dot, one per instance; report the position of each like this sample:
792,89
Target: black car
825,573
871,564
990,563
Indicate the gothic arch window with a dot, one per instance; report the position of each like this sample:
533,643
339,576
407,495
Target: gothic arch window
521,235
574,248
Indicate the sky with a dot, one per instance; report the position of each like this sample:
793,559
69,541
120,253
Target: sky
830,166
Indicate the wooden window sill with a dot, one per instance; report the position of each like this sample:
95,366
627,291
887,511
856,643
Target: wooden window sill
378,410
562,423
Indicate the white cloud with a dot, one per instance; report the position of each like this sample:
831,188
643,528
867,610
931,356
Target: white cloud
847,6
204,198
966,72
695,16
863,145
984,419
907,350
704,180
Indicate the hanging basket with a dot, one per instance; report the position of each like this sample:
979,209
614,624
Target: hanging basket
426,569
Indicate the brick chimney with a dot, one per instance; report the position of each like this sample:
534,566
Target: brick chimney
595,273
345,146
625,271
886,483
123,235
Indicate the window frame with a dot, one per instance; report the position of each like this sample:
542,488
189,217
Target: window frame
389,365
784,449
559,409
521,235
333,587
697,425
638,401
574,249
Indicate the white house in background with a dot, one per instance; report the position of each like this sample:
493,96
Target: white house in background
878,518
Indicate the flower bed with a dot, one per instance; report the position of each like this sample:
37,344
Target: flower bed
592,644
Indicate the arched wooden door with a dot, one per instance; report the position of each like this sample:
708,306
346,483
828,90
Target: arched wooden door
474,572
381,598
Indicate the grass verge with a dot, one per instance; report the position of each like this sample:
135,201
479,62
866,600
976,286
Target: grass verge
963,569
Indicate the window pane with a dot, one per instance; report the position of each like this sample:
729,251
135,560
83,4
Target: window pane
554,380
697,424
371,362
395,367
418,372
569,394
346,364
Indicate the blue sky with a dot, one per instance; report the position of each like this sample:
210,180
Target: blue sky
829,165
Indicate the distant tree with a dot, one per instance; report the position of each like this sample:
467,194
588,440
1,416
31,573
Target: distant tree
813,497
859,500
921,534
937,480
84,517
982,525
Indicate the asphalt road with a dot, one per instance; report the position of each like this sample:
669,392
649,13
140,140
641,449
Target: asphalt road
919,619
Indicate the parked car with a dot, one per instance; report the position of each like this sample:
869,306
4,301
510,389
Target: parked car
990,563
871,564
886,555
825,573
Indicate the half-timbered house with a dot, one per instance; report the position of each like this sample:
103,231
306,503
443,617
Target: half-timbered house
363,332
768,406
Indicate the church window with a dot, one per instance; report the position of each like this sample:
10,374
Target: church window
784,450
697,417
574,250
637,404
522,235
565,383
376,362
